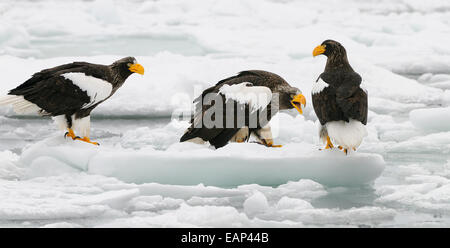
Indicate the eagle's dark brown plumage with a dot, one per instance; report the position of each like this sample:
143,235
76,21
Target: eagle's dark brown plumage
337,95
220,136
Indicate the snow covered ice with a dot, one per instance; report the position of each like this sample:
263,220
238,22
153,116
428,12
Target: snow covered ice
225,167
141,176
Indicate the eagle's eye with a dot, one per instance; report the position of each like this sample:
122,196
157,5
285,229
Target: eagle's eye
129,64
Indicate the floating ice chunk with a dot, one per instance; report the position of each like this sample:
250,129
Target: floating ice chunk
73,153
48,166
256,203
446,98
292,203
211,216
232,165
58,209
8,166
304,213
153,203
305,189
432,143
114,199
386,106
426,193
287,129
62,225
186,192
214,201
105,12
434,119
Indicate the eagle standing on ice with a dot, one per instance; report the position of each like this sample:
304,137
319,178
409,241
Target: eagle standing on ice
251,94
339,102
70,92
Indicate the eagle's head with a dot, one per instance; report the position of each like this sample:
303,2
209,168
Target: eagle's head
127,66
329,48
291,97
336,55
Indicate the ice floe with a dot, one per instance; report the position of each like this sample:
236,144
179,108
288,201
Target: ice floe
228,166
434,119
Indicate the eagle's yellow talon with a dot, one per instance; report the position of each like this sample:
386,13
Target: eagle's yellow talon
70,133
276,146
269,143
329,144
87,140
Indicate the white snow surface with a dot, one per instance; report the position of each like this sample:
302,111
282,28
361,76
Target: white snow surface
134,178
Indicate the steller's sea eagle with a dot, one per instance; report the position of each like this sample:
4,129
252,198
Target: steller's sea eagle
239,106
339,101
70,92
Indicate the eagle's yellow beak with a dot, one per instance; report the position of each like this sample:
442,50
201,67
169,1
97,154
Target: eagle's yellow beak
297,101
137,68
318,50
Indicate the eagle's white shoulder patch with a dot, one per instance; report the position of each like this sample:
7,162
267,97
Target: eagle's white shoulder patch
97,89
318,86
363,86
257,97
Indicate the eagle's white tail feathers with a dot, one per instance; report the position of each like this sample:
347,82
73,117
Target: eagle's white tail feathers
347,134
20,105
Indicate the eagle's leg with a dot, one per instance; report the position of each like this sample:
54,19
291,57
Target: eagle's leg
265,136
329,144
241,136
84,125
